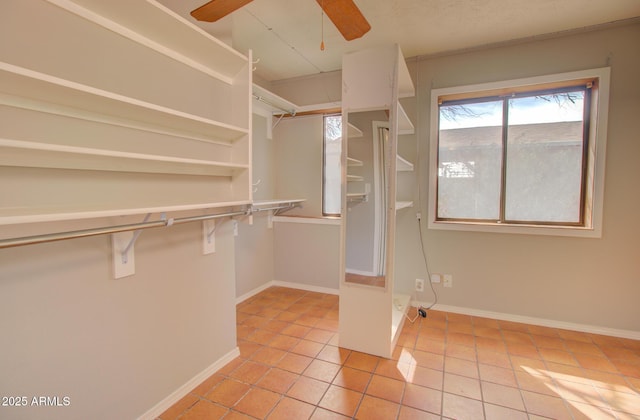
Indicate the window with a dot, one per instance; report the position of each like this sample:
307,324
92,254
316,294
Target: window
331,173
521,156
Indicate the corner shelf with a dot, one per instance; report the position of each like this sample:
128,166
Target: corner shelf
403,165
401,205
153,25
357,197
272,102
354,178
48,90
405,126
353,131
277,201
354,162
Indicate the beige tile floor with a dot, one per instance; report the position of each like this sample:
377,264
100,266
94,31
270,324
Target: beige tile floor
445,366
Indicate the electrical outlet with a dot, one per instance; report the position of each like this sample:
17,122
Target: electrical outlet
419,285
435,278
447,280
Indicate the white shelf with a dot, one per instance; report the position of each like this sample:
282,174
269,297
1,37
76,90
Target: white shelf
405,126
354,162
17,216
403,165
353,197
277,201
354,178
405,84
353,131
49,91
109,143
400,205
151,24
274,103
45,155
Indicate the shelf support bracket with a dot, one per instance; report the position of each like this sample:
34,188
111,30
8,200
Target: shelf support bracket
134,238
208,236
275,124
122,244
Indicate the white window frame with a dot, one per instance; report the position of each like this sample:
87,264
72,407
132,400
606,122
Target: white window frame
594,201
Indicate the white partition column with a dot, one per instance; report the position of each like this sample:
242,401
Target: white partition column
370,315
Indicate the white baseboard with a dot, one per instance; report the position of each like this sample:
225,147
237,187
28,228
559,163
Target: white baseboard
593,329
290,285
307,287
253,292
179,393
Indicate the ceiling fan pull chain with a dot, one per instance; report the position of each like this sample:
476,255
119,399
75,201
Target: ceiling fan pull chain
322,27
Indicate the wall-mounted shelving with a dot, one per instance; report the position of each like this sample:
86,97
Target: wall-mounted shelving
403,165
273,103
153,25
58,214
356,197
59,96
353,131
405,126
353,162
401,205
104,140
44,155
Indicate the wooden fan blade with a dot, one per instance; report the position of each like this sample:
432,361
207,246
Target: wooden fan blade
346,16
217,9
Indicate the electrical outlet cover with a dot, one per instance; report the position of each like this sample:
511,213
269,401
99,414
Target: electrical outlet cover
447,280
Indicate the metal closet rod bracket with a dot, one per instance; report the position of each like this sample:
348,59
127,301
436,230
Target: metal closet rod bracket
137,227
125,252
60,236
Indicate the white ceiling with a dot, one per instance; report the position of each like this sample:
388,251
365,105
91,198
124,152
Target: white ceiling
285,35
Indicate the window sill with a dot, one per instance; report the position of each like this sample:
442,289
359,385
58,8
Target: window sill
571,231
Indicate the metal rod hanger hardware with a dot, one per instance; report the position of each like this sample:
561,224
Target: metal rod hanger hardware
292,112
164,222
60,236
133,240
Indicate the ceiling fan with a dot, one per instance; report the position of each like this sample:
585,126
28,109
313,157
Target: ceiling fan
344,14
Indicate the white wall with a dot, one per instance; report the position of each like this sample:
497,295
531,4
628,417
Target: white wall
307,250
298,157
254,243
114,347
307,254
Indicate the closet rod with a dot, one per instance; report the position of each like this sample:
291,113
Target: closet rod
292,112
52,237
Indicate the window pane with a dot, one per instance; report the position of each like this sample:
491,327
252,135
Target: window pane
544,158
469,161
331,177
